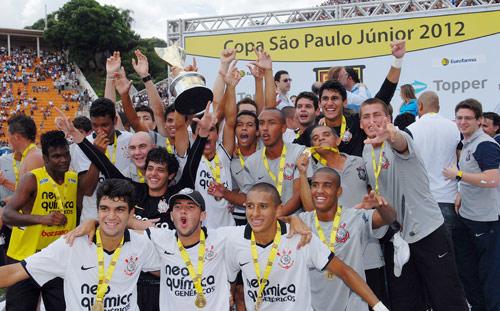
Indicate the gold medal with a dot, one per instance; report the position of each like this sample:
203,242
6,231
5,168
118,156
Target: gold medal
98,306
258,303
200,301
329,275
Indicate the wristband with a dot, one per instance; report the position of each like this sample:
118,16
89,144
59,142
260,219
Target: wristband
397,62
380,307
146,78
459,175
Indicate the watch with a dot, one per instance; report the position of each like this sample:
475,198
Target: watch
146,78
459,175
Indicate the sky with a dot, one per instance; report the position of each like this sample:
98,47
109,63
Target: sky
150,17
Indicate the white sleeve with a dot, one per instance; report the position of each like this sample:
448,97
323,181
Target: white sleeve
232,266
318,254
368,225
49,263
79,161
150,256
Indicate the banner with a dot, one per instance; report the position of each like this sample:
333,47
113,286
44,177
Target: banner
455,55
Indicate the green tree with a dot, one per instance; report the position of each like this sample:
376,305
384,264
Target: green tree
90,31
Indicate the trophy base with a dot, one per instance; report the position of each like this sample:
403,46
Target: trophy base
193,100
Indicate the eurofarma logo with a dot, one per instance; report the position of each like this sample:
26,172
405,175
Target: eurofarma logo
459,60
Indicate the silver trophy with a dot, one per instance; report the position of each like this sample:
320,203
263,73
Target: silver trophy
189,88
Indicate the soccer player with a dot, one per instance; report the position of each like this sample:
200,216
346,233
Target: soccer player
396,171
43,208
101,276
275,272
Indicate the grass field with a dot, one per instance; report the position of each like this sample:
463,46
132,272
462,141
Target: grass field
2,294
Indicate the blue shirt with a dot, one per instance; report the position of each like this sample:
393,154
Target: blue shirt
410,107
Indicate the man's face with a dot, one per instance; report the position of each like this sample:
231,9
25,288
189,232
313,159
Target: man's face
283,85
156,175
58,159
104,124
246,130
371,117
488,127
466,121
146,119
305,112
170,125
322,136
138,149
260,210
271,128
186,216
113,214
325,191
211,145
332,104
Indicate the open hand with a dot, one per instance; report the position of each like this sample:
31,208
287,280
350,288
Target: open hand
113,63
141,66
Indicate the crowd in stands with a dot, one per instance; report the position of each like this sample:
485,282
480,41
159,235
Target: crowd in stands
393,210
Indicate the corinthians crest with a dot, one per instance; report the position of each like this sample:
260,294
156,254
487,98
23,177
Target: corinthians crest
210,253
131,263
342,234
286,261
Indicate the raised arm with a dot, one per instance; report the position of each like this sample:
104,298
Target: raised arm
390,83
123,85
141,67
195,153
226,57
265,63
305,189
113,64
258,74
232,78
387,132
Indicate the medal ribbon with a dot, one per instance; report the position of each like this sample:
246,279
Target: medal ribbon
195,277
240,156
333,233
141,177
113,159
169,146
14,164
214,170
377,168
102,287
281,172
270,261
318,157
343,127
60,205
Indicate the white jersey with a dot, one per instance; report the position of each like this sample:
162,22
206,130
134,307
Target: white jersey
77,265
177,291
289,287
351,242
80,163
218,212
257,172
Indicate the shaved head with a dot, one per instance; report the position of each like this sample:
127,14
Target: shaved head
275,113
141,137
428,102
